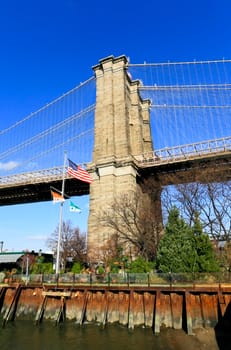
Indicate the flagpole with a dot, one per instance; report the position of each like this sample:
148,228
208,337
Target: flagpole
57,268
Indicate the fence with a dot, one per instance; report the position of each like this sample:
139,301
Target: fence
124,279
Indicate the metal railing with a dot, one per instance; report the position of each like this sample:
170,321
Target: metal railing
154,158
151,279
52,174
185,152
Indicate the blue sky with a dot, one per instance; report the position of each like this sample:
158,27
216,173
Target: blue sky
48,47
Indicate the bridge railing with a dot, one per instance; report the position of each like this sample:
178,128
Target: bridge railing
185,152
168,155
53,174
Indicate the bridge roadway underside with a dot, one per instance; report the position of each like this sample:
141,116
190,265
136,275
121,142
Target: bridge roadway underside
198,170
40,192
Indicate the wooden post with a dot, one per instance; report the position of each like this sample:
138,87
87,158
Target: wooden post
130,310
188,313
157,313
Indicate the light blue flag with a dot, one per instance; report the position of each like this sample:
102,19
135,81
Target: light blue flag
74,208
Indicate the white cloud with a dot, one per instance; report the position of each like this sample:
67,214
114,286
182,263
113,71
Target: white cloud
37,238
8,166
31,166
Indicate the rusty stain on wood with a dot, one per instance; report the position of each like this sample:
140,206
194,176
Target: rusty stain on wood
188,312
178,308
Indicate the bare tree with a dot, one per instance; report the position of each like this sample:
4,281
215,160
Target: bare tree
26,261
133,222
72,244
109,250
227,256
211,200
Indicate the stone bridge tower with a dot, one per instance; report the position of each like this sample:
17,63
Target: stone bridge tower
122,130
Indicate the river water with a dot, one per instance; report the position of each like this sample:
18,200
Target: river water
25,335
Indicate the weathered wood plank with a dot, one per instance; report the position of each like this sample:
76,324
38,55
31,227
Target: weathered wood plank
56,294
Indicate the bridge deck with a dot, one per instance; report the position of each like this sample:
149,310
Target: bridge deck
36,186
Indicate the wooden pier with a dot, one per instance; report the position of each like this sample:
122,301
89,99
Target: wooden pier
154,307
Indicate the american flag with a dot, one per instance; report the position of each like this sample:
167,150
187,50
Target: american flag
79,173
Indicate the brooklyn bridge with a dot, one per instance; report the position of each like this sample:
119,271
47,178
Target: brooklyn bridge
125,124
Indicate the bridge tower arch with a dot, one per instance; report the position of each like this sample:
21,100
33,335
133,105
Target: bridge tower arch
122,130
